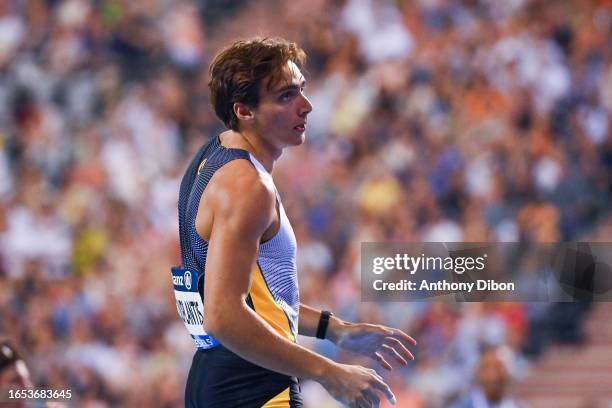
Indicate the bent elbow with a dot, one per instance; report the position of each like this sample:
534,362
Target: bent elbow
213,326
219,324
223,323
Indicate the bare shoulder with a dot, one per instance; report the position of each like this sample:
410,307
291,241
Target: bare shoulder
239,197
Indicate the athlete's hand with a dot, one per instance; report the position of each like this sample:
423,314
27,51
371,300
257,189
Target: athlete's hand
383,344
356,386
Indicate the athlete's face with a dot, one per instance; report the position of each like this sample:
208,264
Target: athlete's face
280,117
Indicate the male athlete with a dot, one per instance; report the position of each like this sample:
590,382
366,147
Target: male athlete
234,231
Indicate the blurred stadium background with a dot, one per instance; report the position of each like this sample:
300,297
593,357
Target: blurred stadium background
434,120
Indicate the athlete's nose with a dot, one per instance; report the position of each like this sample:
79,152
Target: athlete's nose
306,107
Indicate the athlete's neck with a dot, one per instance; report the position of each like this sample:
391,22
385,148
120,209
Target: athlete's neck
263,152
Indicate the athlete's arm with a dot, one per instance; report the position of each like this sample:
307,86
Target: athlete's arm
378,342
309,320
243,208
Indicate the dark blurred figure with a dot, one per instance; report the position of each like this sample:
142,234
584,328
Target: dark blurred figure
14,373
492,378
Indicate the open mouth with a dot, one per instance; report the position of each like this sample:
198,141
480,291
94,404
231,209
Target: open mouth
300,128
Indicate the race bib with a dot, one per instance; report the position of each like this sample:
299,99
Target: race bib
190,307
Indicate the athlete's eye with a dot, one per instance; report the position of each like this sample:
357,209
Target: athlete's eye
286,96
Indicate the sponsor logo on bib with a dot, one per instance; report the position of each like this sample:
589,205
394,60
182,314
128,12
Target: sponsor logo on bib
187,280
190,307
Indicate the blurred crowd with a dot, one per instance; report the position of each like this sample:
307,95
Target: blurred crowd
433,120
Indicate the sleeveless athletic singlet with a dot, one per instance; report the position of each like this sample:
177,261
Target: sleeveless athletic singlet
218,378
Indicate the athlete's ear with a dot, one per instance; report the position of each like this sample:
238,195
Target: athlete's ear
243,112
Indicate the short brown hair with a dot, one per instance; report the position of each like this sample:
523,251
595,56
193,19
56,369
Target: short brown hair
238,71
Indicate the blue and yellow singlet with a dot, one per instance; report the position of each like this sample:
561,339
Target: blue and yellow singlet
218,377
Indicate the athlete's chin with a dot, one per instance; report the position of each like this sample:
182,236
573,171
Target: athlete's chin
297,139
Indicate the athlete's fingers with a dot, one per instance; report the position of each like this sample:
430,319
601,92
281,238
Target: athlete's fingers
373,397
393,353
398,334
378,357
376,374
368,400
362,402
372,402
399,346
384,388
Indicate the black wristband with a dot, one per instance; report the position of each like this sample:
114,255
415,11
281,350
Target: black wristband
323,323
